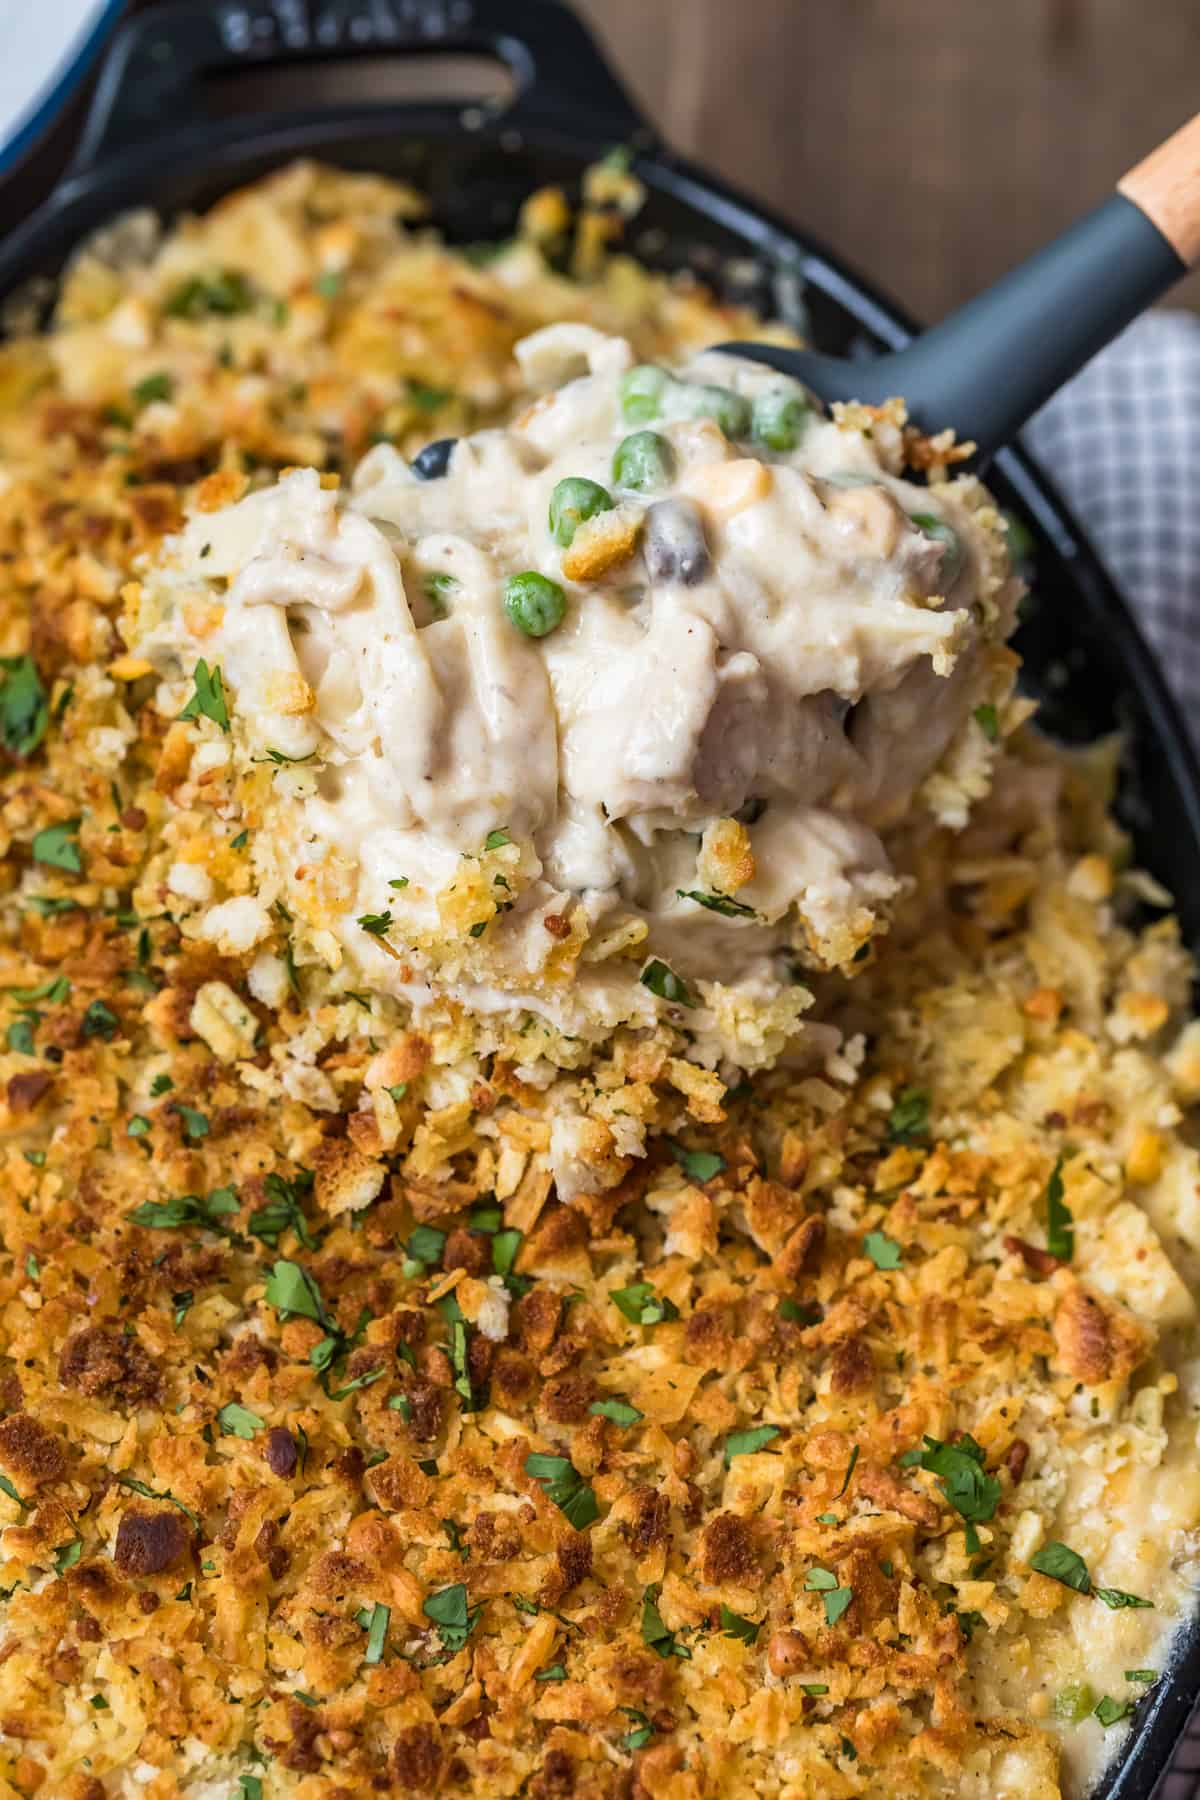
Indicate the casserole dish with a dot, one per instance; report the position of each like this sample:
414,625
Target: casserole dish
1084,656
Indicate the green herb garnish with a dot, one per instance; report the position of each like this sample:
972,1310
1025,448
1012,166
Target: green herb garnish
208,696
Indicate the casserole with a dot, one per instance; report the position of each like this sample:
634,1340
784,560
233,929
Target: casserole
1083,654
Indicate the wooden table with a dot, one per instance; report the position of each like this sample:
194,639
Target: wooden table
932,142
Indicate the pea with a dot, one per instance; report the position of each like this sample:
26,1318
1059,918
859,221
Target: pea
643,460
1074,1702
534,603
778,419
642,392
574,500
437,589
700,400
953,554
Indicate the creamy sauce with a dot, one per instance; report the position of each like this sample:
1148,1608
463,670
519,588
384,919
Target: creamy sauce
761,659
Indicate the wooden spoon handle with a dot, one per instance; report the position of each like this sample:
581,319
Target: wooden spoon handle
1166,186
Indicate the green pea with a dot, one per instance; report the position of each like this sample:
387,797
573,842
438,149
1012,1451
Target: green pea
778,419
1074,1702
574,500
438,589
700,400
954,555
642,461
534,603
642,392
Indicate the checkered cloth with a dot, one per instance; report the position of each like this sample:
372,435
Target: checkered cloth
1122,442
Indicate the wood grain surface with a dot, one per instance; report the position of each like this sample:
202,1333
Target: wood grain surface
931,142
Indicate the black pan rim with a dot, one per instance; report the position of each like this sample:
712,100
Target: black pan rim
90,197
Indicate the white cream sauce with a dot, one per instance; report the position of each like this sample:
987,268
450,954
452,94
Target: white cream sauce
809,679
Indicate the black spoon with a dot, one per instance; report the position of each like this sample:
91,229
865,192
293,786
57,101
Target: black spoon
988,368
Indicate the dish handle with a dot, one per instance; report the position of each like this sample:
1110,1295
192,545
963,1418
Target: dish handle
155,79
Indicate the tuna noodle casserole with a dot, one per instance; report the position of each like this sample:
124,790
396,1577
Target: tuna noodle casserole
597,1196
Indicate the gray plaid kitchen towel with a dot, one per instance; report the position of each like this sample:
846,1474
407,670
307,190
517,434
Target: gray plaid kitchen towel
1122,443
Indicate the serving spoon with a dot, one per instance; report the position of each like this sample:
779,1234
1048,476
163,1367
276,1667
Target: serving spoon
988,368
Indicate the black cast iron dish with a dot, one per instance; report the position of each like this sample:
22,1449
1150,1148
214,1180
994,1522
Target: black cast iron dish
156,138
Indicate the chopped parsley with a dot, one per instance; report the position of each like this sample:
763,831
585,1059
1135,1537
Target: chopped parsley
424,1247
724,904
618,1411
643,1732
745,1443
283,1211
565,1486
908,1121
656,1634
664,982
458,1542
294,1294
149,1493
182,1303
154,387
249,1788
505,1248
883,1251
988,723
425,398
800,1312
449,1613
734,1626
240,841
195,1124
850,1466
1110,1711
100,1021
697,1165
208,696
495,840
50,906
377,1629
553,1672
834,1598
971,1491
24,708
238,1421
57,846
377,924
33,1268
19,1036
162,1084
56,990
67,1555
1060,1225
224,292
205,1210
280,758
1116,1598
1063,1564
641,1305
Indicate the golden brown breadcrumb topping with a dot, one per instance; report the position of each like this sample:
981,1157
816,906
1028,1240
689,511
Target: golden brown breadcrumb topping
340,1456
